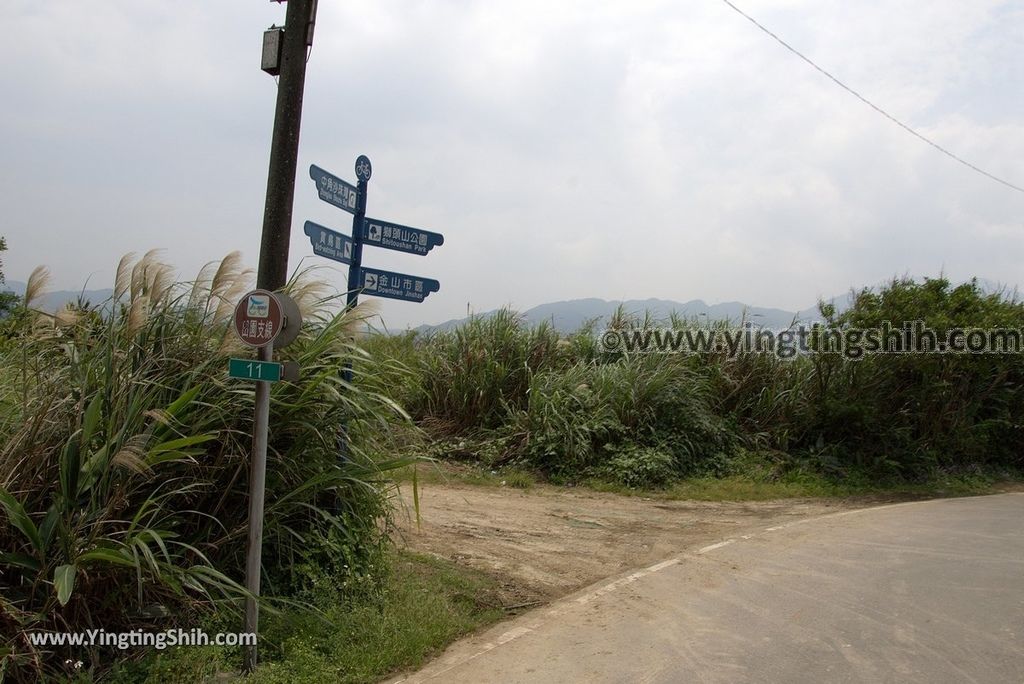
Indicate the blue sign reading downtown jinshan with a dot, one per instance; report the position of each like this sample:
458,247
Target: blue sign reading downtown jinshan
393,285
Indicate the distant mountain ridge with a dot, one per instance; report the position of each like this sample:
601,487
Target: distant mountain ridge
52,301
568,316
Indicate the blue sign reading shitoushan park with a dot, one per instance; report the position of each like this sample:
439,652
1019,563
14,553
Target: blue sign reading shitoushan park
398,237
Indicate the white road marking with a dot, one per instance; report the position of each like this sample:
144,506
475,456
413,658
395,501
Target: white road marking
556,611
712,547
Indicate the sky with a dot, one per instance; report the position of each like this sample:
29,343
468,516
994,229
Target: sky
621,150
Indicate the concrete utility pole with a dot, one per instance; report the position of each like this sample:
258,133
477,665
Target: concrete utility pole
284,149
273,269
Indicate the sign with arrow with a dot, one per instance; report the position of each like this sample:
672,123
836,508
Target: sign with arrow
329,243
348,249
392,285
400,238
334,190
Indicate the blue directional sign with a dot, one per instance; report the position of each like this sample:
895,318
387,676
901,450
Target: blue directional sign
334,190
409,288
398,237
329,243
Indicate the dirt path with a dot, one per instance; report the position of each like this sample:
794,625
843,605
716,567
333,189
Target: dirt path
546,542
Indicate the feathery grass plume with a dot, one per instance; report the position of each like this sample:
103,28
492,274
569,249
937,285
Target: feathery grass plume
138,315
227,272
138,283
230,345
67,316
201,285
231,293
135,284
38,282
159,416
42,325
159,280
122,281
346,325
357,320
132,455
312,294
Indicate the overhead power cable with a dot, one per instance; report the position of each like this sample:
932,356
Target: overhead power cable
871,104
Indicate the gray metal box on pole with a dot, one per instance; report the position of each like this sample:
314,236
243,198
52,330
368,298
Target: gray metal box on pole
273,39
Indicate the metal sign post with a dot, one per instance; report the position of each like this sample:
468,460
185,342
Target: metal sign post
363,172
257,490
260,318
288,59
349,250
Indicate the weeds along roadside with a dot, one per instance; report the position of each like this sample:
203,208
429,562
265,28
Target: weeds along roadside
123,465
497,392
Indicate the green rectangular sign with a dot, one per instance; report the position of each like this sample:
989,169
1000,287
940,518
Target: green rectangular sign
248,369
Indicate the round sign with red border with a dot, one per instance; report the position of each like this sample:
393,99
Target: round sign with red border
259,318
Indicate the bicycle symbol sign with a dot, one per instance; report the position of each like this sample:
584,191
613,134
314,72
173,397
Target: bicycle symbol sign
363,168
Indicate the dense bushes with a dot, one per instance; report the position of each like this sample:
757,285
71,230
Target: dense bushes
124,463
912,411
565,408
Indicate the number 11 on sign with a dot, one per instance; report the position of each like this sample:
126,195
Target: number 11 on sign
247,369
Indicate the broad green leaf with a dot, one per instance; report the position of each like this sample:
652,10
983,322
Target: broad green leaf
64,582
21,560
181,402
19,518
48,525
167,456
177,445
92,417
70,469
175,450
158,538
106,555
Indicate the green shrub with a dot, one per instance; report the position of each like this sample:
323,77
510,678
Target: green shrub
638,467
908,414
470,378
564,421
562,405
123,460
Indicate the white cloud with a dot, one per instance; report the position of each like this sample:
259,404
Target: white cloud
565,150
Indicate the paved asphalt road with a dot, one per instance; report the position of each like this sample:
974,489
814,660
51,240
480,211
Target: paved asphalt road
920,592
